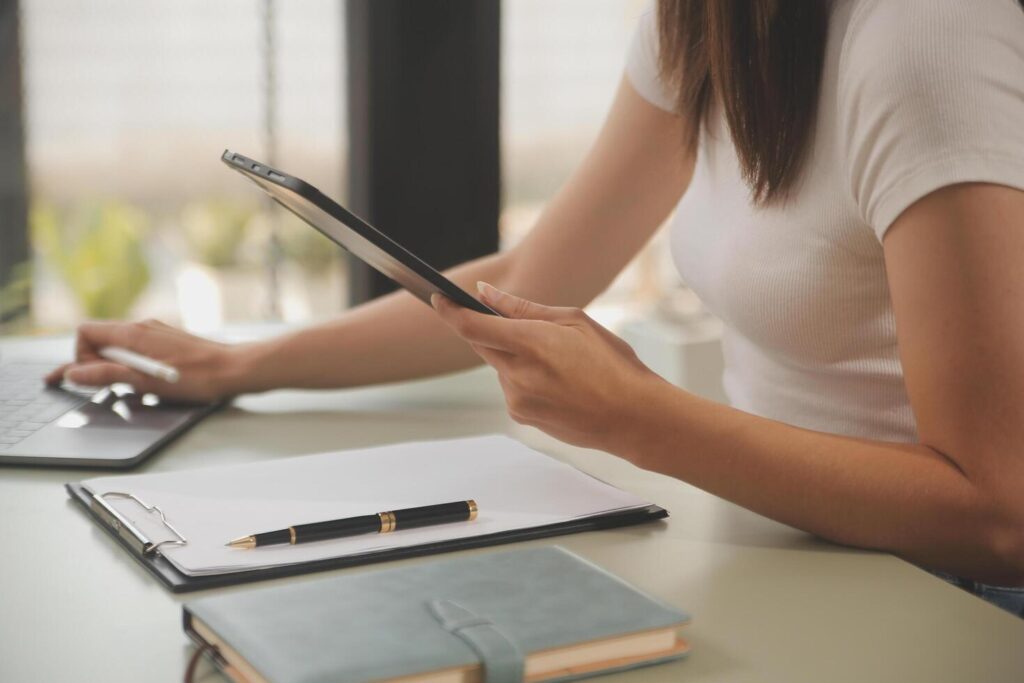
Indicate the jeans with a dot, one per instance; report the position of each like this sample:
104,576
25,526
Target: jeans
1009,598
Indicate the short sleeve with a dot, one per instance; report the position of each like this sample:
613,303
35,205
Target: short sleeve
930,94
642,63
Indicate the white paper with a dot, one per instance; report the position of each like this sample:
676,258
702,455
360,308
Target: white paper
515,487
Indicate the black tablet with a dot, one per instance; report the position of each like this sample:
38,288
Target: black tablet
350,232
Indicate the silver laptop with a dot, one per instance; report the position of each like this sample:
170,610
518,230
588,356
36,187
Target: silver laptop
113,427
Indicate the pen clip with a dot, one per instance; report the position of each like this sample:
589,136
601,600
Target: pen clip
128,531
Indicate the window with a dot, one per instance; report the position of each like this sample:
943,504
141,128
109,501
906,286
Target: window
128,105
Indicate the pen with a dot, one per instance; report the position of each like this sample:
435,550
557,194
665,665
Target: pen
144,364
381,523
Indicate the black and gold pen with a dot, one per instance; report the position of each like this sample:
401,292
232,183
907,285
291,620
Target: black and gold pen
381,523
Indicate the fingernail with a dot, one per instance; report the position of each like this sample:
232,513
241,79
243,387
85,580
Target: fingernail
434,298
489,292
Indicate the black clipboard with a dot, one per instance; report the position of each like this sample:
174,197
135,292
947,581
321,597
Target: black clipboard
176,582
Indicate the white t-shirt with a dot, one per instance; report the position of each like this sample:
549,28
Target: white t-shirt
916,95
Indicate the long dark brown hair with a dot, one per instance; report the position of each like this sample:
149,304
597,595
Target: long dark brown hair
761,61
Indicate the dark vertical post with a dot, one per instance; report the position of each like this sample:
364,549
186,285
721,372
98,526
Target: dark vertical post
14,251
423,128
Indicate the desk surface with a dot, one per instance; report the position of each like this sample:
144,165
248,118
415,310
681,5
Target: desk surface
769,603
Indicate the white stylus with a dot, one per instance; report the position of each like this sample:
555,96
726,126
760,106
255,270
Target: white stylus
144,364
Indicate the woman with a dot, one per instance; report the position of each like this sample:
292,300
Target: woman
854,211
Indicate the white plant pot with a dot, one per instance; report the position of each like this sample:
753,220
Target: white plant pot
307,296
210,297
687,353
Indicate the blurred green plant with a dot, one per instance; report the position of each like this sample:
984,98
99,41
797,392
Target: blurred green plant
215,231
96,248
15,298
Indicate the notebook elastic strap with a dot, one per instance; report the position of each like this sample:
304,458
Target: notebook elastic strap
500,657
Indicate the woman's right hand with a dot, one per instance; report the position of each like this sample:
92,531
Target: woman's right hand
209,370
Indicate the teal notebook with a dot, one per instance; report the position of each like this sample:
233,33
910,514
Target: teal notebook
536,614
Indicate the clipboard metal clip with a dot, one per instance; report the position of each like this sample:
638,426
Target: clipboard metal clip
128,531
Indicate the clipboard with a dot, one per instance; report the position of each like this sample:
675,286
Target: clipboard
147,553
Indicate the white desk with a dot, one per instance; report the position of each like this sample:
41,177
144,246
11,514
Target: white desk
769,603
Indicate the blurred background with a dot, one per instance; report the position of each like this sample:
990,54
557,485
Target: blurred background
114,114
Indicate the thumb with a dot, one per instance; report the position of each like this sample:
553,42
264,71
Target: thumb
512,306
103,373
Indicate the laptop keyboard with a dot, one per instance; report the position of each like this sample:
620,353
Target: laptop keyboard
26,404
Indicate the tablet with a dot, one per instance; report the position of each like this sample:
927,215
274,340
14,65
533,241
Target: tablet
350,232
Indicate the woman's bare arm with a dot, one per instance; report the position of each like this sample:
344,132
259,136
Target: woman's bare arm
953,501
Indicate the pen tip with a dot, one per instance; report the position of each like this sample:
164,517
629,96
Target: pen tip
243,542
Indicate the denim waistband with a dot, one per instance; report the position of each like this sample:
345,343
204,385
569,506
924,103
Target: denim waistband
1009,598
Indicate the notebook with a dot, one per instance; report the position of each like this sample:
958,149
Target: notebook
537,614
179,522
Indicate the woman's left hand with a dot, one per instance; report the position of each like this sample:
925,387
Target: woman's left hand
561,372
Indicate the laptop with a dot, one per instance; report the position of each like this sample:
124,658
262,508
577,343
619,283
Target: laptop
112,427
117,428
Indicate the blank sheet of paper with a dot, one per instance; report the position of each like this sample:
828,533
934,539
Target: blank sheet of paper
514,486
